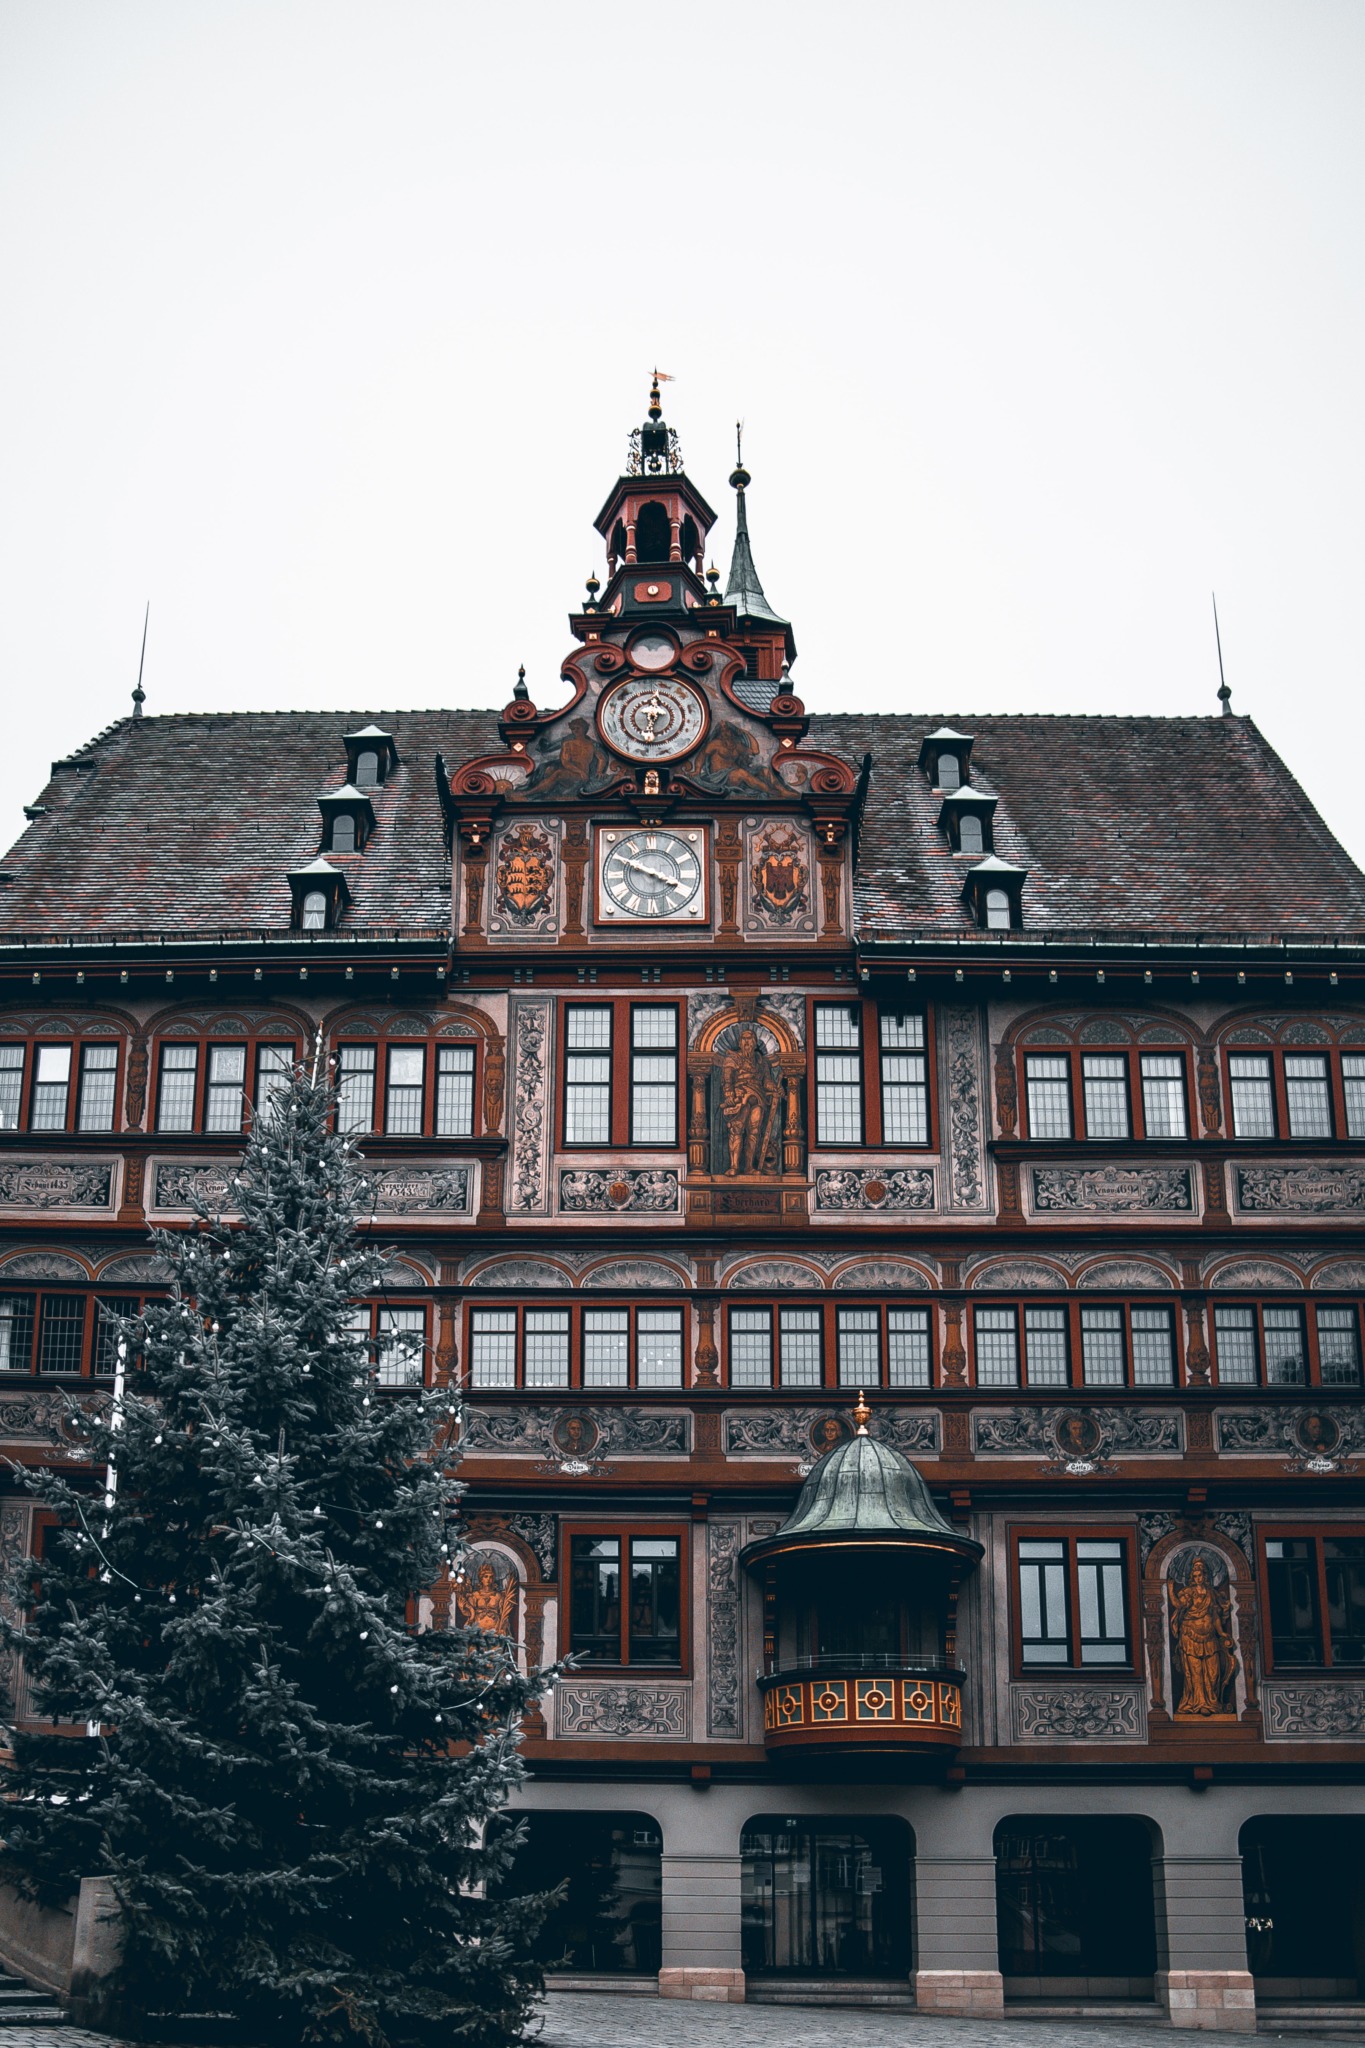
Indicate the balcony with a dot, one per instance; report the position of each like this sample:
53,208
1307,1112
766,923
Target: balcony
860,1589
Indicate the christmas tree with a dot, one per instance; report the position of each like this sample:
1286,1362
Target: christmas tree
287,1783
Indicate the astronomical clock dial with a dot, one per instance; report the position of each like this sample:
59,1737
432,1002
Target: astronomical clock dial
657,720
652,876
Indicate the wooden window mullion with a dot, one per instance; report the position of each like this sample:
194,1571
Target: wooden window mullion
1324,1618
1073,1604
870,1028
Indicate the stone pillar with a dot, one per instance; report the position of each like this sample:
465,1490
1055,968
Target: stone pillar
97,1948
701,1901
1202,1979
957,1963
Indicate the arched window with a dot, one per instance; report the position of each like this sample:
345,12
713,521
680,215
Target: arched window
997,910
653,533
366,769
343,833
315,910
949,773
969,836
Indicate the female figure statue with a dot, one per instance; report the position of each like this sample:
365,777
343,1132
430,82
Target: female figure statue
1201,1643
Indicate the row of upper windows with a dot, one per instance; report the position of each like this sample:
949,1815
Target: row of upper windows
870,1077
1109,1096
797,1346
1073,1606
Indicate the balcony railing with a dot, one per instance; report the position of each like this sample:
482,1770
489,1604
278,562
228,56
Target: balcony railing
865,1660
837,1703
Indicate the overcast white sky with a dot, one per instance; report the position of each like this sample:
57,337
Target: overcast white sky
325,321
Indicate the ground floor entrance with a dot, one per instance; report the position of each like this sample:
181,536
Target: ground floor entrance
825,1898
1303,1883
1074,1907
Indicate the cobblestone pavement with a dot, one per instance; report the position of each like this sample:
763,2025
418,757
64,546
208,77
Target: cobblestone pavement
580,2020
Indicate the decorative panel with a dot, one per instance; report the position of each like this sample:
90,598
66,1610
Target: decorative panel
529,1167
1078,1713
1112,1190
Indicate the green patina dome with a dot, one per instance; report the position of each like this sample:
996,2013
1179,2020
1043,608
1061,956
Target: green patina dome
863,1491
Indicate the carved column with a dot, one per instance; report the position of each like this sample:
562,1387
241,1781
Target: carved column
832,879
135,1087
475,875
1196,1346
954,1352
1210,1094
708,1357
698,1135
575,855
1006,1092
728,852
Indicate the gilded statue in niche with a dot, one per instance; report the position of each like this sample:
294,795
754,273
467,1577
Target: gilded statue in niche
748,1106
1203,1655
488,1601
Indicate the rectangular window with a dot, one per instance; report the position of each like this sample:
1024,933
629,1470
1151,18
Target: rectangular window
658,1347
51,1086
1100,1575
1234,1330
654,1074
838,1075
61,1335
355,1087
905,1081
907,1347
644,1628
1308,1095
1253,1099
274,1065
606,1347
1045,1347
587,1068
175,1095
859,1347
11,1085
16,1332
1352,1088
493,1347
109,1345
1338,1347
1153,1347
226,1091
751,1347
95,1107
1102,1347
455,1091
1073,1603
799,1335
1045,1637
1104,1077
997,1347
1048,1080
1163,1096
546,1339
400,1349
403,1096
1316,1588
1286,1360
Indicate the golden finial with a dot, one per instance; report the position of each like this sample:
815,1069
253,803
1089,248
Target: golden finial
862,1414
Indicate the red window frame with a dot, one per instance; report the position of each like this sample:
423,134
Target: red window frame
1071,1533
870,1072
1307,1307
1074,1304
624,1531
253,1041
1131,1055
76,1041
619,1122
576,1310
431,1047
1315,1533
829,1312
89,1297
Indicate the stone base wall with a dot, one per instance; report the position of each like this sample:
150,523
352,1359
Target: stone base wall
961,1994
715,1987
1220,2001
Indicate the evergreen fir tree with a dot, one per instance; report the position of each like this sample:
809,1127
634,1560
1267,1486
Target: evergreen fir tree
288,1785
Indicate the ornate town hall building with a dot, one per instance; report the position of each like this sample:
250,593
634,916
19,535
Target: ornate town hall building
891,1189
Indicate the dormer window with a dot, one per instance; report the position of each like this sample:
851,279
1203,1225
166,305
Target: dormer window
371,757
347,818
966,818
993,892
320,895
945,757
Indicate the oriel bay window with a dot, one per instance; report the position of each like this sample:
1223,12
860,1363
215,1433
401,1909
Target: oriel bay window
1314,1598
1272,1344
625,1597
871,1075
635,1103
428,1090
637,1346
1073,1601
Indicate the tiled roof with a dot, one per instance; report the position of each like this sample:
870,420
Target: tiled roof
192,823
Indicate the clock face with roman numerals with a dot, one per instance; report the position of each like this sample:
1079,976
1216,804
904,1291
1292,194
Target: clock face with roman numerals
652,876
